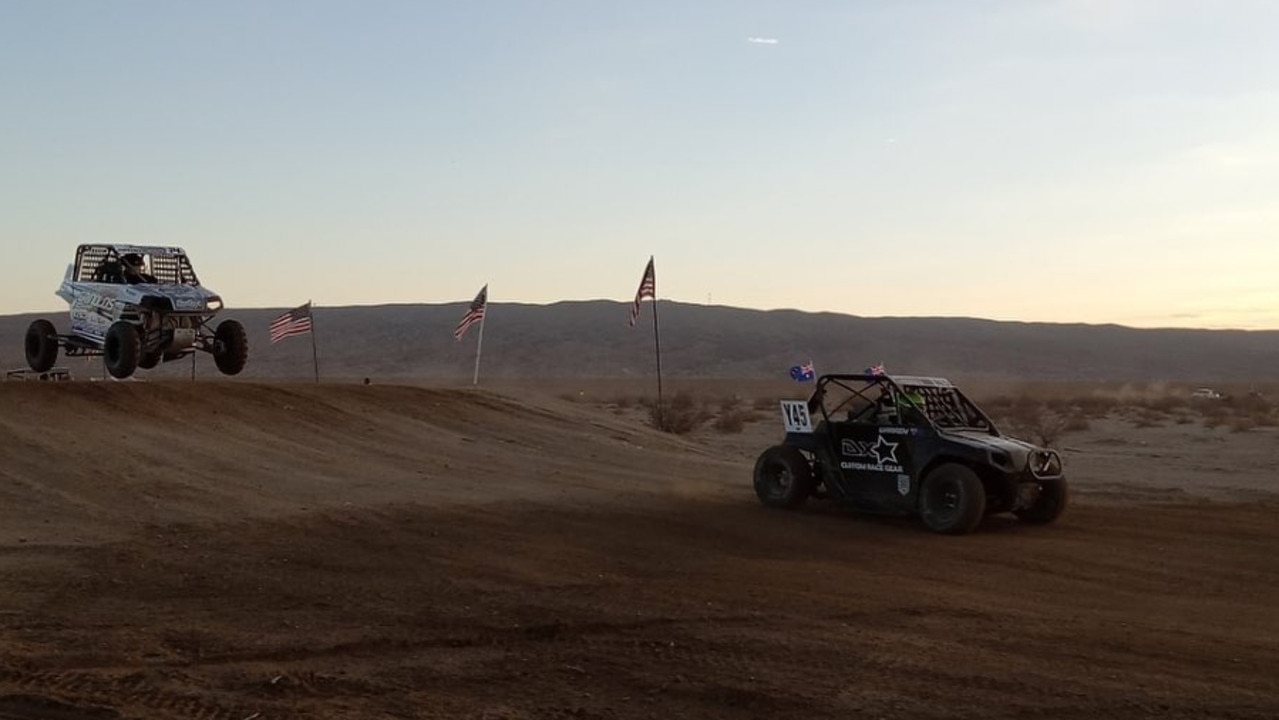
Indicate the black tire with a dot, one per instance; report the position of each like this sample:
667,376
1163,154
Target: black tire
42,345
122,349
230,347
150,360
952,499
1051,502
783,477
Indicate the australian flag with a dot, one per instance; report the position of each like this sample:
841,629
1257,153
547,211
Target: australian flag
803,373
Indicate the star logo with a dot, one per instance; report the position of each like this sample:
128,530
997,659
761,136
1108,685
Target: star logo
885,452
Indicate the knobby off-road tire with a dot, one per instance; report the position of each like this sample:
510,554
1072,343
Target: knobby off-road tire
41,345
122,349
230,347
952,499
1048,506
783,477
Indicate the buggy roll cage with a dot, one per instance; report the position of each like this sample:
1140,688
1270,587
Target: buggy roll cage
101,263
941,400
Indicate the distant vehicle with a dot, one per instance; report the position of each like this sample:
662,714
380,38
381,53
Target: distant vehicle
1206,394
53,375
910,446
137,306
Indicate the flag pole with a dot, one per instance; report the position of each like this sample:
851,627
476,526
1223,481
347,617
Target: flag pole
479,346
315,354
657,344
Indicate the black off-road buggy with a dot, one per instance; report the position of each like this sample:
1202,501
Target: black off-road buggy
909,446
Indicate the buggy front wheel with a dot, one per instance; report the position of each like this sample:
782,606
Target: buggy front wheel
122,349
952,499
230,347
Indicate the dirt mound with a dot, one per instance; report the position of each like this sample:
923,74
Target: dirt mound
229,551
83,460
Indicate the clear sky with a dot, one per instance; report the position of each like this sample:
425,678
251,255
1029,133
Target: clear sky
1058,160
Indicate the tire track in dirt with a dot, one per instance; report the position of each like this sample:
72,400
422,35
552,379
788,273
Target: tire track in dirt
110,693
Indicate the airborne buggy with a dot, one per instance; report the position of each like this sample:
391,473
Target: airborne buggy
908,446
137,306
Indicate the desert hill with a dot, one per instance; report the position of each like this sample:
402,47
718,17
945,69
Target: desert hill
590,338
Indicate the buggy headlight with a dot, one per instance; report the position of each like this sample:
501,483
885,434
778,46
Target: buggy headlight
213,304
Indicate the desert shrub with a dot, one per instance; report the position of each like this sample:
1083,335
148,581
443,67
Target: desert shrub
1147,418
1242,424
1038,425
1076,422
765,403
623,402
679,415
1167,403
1095,406
732,420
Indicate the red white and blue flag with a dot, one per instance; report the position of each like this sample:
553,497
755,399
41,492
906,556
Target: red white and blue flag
803,373
647,289
294,322
474,313
875,369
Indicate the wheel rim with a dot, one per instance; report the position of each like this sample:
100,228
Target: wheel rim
945,499
781,479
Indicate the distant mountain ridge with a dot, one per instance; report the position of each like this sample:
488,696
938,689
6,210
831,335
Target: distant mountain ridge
591,339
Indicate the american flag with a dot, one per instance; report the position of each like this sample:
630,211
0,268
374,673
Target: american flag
294,322
474,314
875,369
647,289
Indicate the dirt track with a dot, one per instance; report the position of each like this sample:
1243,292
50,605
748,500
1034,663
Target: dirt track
381,552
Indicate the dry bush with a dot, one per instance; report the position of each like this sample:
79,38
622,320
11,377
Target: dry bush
1094,406
766,403
623,402
1242,424
1036,424
679,415
1166,404
1076,422
732,420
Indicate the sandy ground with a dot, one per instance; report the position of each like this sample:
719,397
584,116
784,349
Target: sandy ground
234,551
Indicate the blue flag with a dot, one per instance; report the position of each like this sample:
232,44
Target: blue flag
802,373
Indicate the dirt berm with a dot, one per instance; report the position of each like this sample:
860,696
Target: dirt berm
232,551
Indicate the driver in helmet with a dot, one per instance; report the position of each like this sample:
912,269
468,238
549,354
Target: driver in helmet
135,269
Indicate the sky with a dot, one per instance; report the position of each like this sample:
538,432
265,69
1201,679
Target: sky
1096,161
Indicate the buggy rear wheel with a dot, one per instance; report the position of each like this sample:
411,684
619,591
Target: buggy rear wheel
150,360
783,477
952,499
230,347
122,349
41,345
1048,506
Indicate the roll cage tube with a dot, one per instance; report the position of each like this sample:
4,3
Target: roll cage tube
962,406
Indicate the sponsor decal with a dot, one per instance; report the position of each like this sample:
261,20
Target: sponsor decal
897,431
878,456
903,485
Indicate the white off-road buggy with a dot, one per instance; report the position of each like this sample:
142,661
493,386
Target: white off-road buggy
137,306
